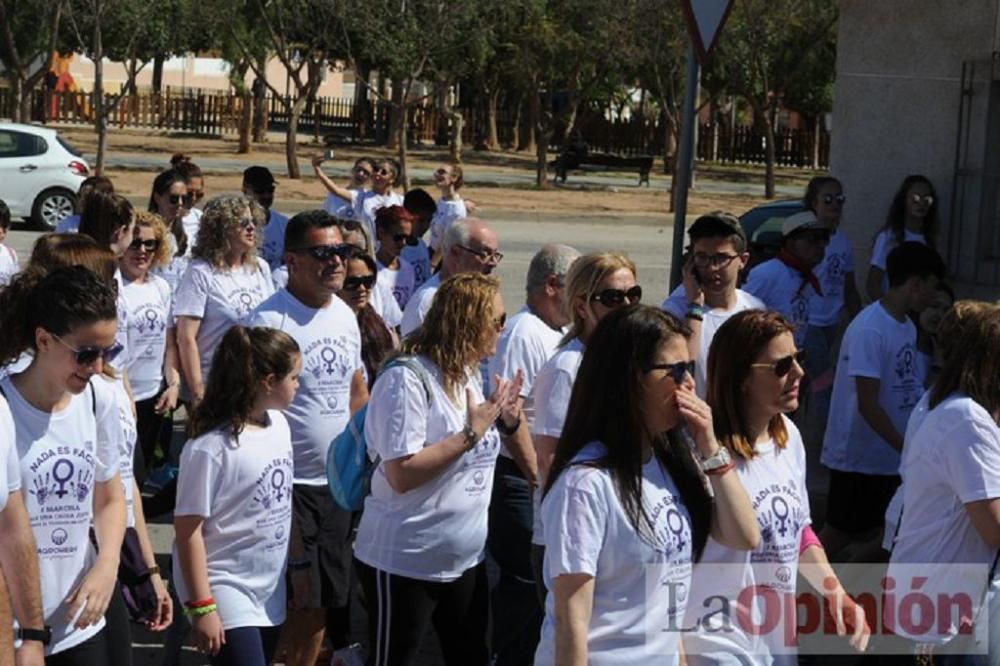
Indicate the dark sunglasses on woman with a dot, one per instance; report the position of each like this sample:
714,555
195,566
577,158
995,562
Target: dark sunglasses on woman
830,198
88,355
783,366
677,371
614,298
187,199
149,245
357,281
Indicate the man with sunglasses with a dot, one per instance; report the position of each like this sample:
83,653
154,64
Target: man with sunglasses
787,283
394,231
469,246
708,296
260,184
332,387
879,380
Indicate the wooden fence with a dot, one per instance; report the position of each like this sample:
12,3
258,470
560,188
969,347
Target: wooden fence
211,113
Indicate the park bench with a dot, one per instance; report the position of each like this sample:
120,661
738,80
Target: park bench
575,159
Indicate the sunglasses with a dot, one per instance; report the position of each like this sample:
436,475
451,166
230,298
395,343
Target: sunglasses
614,298
247,223
500,322
326,252
175,199
149,245
830,198
677,371
356,282
783,366
917,199
198,195
409,239
382,172
89,355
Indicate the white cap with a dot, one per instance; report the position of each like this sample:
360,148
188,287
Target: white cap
801,221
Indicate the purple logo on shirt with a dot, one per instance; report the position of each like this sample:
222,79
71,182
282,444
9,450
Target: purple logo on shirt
675,523
59,536
148,320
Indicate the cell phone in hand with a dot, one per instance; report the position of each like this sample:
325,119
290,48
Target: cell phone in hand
328,154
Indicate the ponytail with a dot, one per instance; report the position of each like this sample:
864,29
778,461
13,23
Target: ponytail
244,357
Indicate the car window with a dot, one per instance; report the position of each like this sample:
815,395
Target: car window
70,148
21,144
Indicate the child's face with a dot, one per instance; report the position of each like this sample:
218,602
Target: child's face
3,232
930,317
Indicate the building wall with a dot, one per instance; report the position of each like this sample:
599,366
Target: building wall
896,101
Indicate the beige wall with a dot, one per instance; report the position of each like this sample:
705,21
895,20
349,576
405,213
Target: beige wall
196,72
896,101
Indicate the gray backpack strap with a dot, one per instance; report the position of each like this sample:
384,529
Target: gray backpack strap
417,368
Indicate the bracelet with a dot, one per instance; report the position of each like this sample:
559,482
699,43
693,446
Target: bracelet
153,570
695,316
202,603
506,430
201,612
719,471
696,311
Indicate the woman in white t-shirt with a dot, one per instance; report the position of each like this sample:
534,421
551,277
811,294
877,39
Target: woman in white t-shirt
223,284
625,504
394,231
152,362
9,264
367,202
69,456
234,508
913,216
754,374
421,544
450,207
170,200
336,204
377,339
950,532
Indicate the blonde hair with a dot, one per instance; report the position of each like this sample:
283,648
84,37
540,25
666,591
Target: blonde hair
222,215
582,281
153,221
971,363
459,321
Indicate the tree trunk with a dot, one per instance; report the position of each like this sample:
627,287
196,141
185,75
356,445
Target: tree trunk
157,82
100,116
403,113
246,121
769,156
18,102
260,109
544,134
291,138
397,125
492,135
817,135
362,103
527,140
516,129
457,125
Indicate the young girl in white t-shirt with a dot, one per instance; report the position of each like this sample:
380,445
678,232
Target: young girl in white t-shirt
69,458
754,374
394,229
234,509
8,257
450,207
913,216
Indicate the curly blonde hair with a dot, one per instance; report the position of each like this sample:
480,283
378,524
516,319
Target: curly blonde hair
456,328
222,215
153,221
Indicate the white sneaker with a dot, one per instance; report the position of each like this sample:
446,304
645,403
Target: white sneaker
348,656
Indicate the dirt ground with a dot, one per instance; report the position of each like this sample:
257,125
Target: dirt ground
586,200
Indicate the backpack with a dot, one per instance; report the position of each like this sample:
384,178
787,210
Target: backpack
349,467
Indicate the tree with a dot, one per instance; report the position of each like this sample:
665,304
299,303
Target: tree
764,47
29,34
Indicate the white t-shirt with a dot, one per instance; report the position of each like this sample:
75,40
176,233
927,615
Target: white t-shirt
894,511
885,243
191,223
437,531
340,208
243,490
121,333
401,282
9,264
832,273
420,259
783,290
367,204
331,353
272,247
221,299
126,444
418,305
446,213
952,459
10,466
639,582
62,455
877,346
677,305
384,304
775,481
69,225
148,318
177,266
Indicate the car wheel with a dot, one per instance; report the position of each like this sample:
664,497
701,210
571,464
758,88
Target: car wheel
51,206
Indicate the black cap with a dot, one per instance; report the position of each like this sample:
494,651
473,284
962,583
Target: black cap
258,178
717,223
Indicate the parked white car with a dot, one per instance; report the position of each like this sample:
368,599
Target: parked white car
40,173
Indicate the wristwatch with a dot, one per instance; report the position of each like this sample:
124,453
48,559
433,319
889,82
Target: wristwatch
43,636
719,460
470,436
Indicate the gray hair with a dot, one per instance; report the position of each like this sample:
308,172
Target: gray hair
552,259
458,233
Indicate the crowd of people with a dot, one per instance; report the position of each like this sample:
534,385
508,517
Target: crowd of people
621,464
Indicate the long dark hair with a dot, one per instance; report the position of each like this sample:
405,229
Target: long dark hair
376,340
895,221
161,184
244,357
103,215
604,407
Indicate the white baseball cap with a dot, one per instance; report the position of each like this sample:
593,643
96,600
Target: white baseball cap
802,221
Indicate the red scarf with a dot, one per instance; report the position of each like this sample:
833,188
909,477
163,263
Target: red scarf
793,262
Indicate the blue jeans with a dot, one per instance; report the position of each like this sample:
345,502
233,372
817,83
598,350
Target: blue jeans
517,615
248,646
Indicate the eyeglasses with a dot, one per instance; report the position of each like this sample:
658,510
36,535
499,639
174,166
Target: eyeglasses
149,245
485,254
926,199
89,355
500,322
702,260
357,281
615,298
830,198
326,252
409,239
783,366
677,371
247,223
175,199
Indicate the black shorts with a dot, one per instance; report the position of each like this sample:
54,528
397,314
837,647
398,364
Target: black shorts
326,535
857,502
